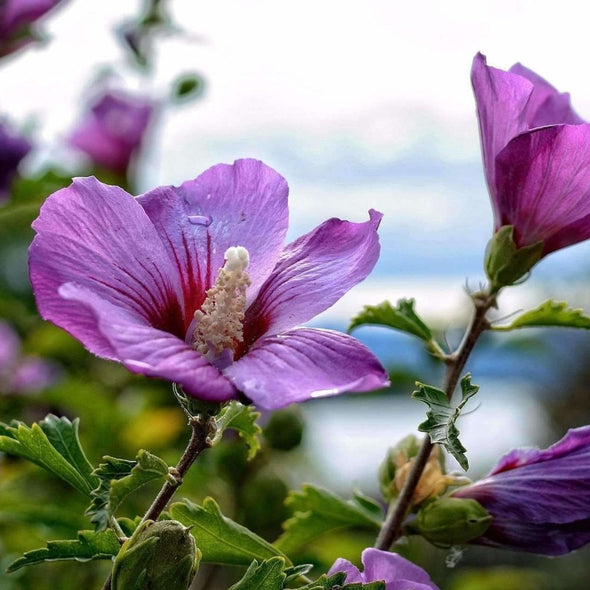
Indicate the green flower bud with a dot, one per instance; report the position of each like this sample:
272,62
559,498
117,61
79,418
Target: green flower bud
451,521
505,262
396,458
284,429
158,556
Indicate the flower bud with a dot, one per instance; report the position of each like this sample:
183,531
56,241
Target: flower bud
451,521
158,556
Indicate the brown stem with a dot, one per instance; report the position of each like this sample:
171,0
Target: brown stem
392,526
202,430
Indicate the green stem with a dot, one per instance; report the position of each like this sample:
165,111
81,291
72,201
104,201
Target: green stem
202,430
391,529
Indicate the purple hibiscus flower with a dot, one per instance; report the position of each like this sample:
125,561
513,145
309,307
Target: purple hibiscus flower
192,284
21,373
16,18
113,130
13,148
536,153
397,573
539,499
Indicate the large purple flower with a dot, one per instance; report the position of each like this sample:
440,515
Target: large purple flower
13,148
539,499
16,18
192,284
536,153
397,573
113,130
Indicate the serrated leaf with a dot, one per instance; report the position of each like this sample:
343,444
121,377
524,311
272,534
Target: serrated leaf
402,318
33,444
294,572
549,313
242,419
119,478
89,545
318,511
63,435
220,539
267,575
325,583
369,586
441,417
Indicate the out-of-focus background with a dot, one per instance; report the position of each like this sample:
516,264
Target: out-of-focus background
359,105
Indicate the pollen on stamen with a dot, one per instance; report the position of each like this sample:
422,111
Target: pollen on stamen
219,322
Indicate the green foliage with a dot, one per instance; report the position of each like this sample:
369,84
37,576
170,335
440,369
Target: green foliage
336,582
441,417
505,263
220,539
318,511
119,478
242,419
267,575
158,556
187,87
54,445
89,545
549,313
402,318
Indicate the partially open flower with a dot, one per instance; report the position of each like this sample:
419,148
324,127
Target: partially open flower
16,18
113,129
13,148
397,573
192,284
536,153
539,500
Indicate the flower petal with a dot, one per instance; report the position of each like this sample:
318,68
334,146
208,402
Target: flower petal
305,363
391,567
312,274
543,185
98,237
502,100
353,575
547,106
9,347
244,204
149,351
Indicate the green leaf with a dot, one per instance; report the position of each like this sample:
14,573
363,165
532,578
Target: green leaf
441,417
549,313
337,582
268,575
220,539
402,317
119,478
61,456
89,545
187,87
242,419
318,511
63,435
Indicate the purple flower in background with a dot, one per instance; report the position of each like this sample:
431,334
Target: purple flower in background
13,148
113,130
16,18
20,373
536,153
192,284
397,573
539,499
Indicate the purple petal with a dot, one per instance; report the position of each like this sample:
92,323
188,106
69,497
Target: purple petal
313,273
15,14
9,347
543,185
539,499
502,100
546,106
305,363
33,374
99,238
391,567
353,575
149,351
13,148
244,204
114,129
